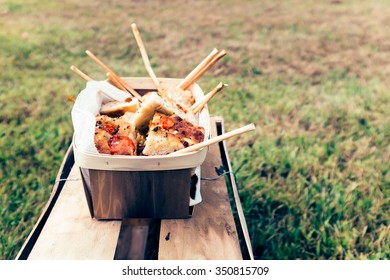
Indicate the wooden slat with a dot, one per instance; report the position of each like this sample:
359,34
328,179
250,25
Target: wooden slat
247,249
133,239
63,173
211,232
71,233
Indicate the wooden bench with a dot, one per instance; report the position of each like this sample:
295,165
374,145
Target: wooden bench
65,229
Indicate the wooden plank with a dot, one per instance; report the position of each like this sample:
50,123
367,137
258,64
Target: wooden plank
134,238
241,225
71,233
63,173
211,232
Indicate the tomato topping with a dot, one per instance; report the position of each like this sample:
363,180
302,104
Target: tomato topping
121,145
109,127
167,122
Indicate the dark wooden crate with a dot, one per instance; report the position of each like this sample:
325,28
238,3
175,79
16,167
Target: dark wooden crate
137,194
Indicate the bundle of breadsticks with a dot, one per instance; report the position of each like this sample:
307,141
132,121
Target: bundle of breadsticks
159,122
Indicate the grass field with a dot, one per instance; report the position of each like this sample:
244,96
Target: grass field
313,76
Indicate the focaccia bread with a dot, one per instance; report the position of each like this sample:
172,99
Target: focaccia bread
119,108
156,103
168,134
115,136
184,98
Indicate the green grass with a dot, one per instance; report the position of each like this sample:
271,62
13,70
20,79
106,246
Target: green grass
314,178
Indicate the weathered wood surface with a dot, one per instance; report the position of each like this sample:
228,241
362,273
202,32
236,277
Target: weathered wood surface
70,233
64,171
134,238
247,249
211,232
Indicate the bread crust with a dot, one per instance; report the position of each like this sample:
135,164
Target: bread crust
168,134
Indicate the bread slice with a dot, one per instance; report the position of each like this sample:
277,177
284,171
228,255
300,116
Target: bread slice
184,98
156,103
115,135
168,134
118,108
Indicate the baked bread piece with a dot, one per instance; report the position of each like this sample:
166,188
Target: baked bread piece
115,136
119,108
156,103
168,134
184,98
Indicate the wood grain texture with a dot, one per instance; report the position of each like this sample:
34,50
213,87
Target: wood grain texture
211,232
71,233
63,173
132,240
140,194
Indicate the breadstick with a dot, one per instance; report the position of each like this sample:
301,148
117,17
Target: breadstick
145,57
204,69
197,107
198,68
115,81
107,69
80,73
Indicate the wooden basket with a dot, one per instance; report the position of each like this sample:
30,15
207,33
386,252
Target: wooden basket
121,187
